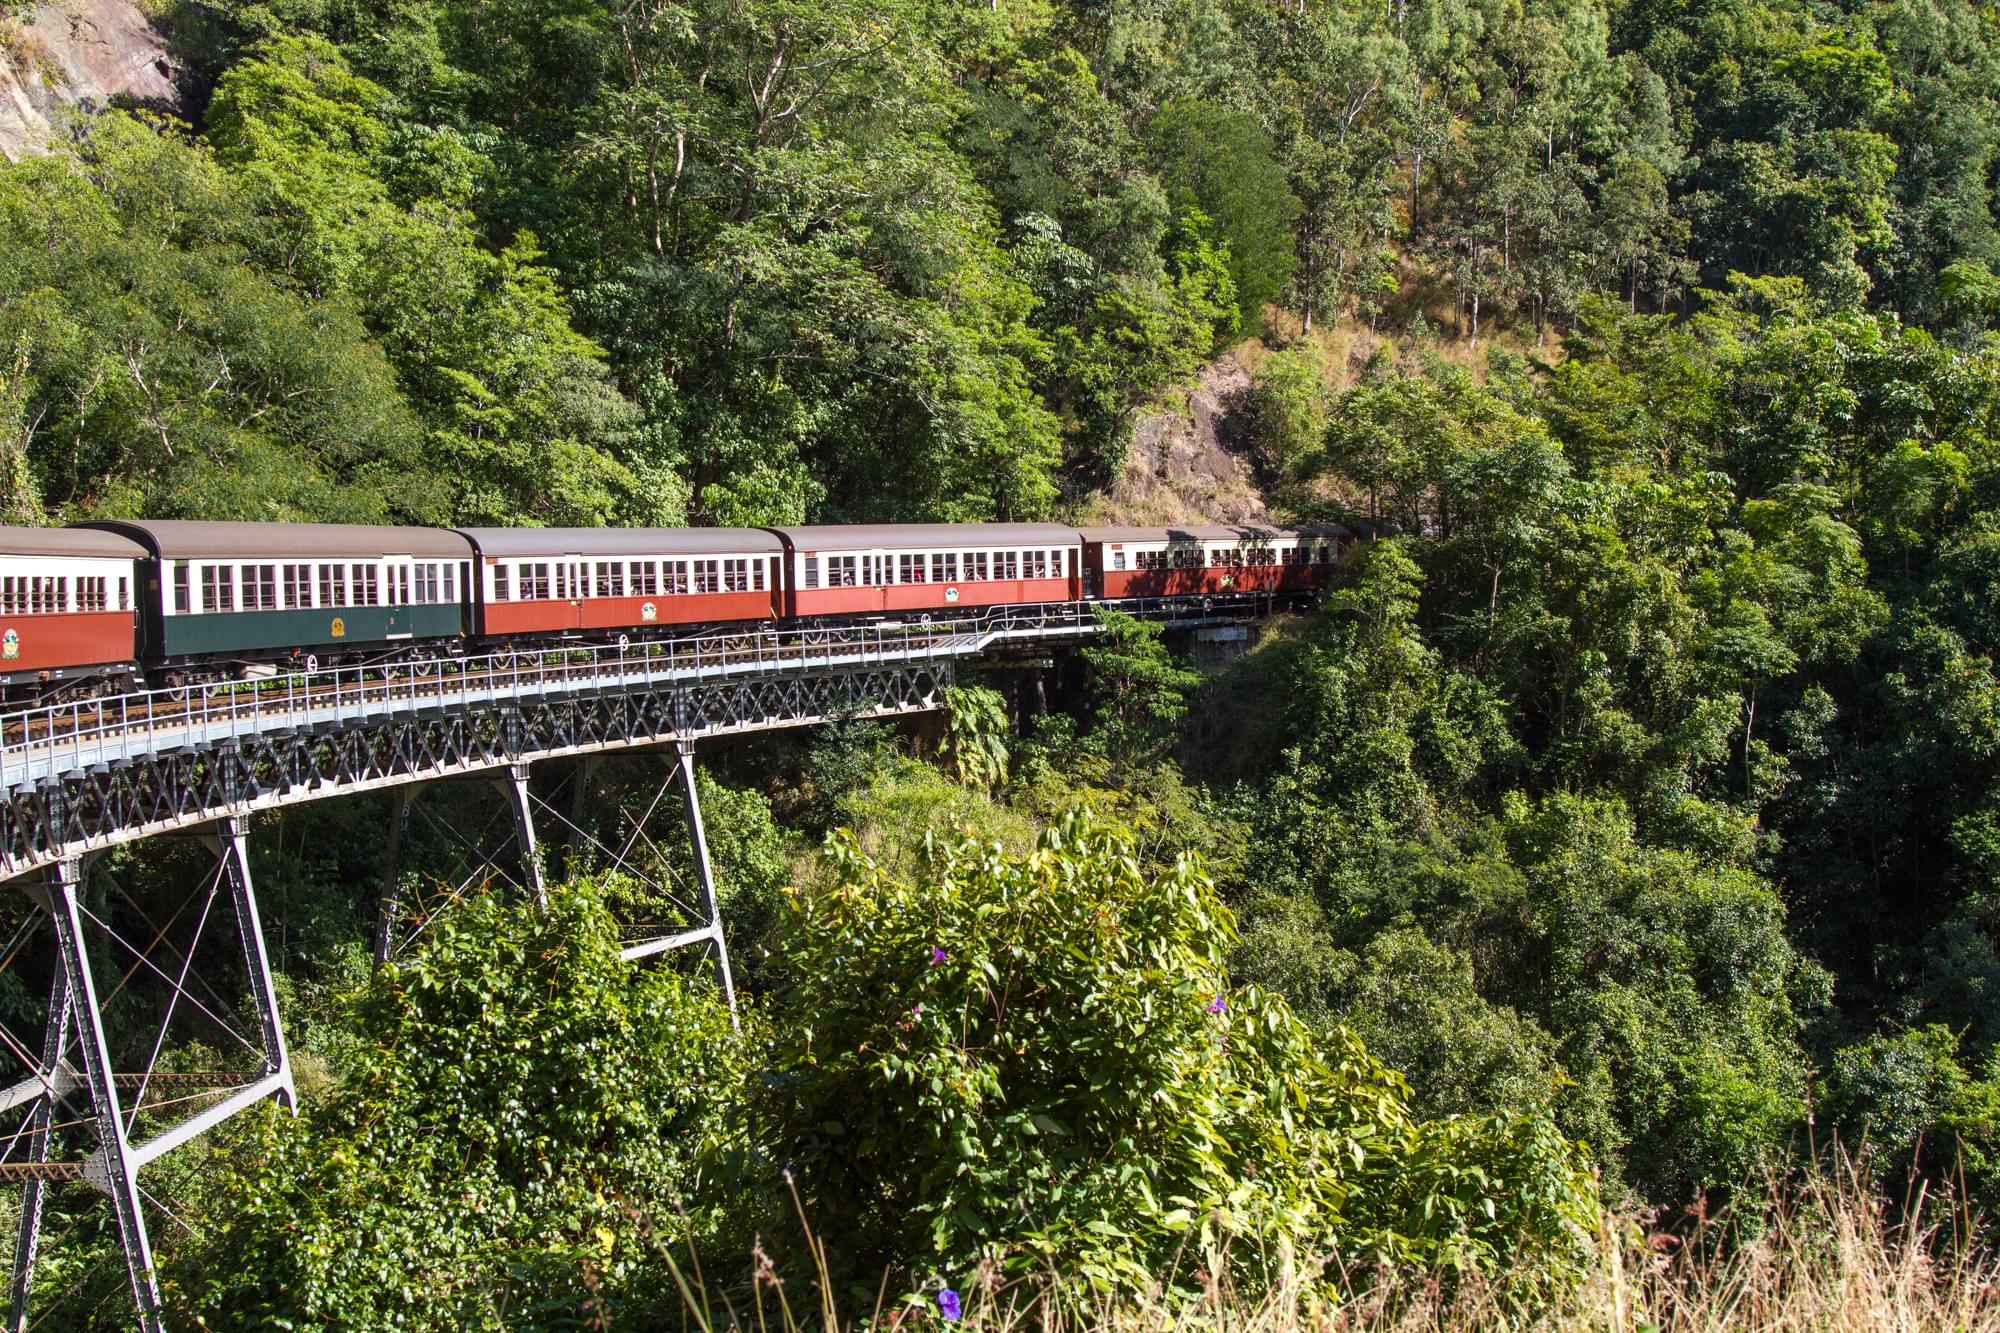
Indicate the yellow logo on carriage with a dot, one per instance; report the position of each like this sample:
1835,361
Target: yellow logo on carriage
10,644
649,613
338,629
951,594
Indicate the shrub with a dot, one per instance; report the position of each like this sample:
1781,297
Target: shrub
522,1095
1037,1060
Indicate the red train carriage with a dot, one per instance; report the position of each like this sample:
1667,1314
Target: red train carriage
601,582
886,569
1208,560
67,610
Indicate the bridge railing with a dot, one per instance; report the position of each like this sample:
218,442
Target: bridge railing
47,742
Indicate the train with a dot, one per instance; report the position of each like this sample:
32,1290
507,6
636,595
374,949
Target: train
113,605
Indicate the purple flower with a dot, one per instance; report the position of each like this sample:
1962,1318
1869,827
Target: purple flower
1218,1005
916,1011
948,1305
937,955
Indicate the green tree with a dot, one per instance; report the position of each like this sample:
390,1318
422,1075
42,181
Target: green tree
520,1095
1139,687
978,1045
1222,162
1288,409
977,734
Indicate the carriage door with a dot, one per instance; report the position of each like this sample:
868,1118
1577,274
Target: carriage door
570,593
396,597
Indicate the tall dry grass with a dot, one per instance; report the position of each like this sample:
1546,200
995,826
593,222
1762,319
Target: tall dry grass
1828,1254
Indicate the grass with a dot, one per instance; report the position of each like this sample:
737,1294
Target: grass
1825,1253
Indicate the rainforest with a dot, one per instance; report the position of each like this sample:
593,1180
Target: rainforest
1586,915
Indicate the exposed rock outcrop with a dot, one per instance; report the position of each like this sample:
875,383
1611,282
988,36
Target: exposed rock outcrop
84,53
1187,461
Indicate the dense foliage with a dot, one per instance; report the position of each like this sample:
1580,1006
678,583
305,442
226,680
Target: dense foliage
1040,1058
1639,791
751,260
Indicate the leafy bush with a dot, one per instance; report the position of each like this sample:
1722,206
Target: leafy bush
1907,1097
1037,1060
523,1096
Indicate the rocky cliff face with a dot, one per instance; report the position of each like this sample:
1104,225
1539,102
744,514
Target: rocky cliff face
83,53
1188,462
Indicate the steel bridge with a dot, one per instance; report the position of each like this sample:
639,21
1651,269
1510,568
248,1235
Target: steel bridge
79,778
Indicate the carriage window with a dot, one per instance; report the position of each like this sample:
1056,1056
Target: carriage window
535,582
1118,560
812,572
707,576
368,585
736,575
91,593
842,571
124,593
10,595
676,577
332,586
501,592
181,603
910,569
646,578
451,581
218,588
1326,555
298,586
1036,565
1006,565
975,566
1187,557
260,587
757,575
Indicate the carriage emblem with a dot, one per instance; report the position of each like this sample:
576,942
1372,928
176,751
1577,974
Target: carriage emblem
10,644
649,613
951,594
338,629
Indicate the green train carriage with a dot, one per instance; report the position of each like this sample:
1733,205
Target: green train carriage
244,599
